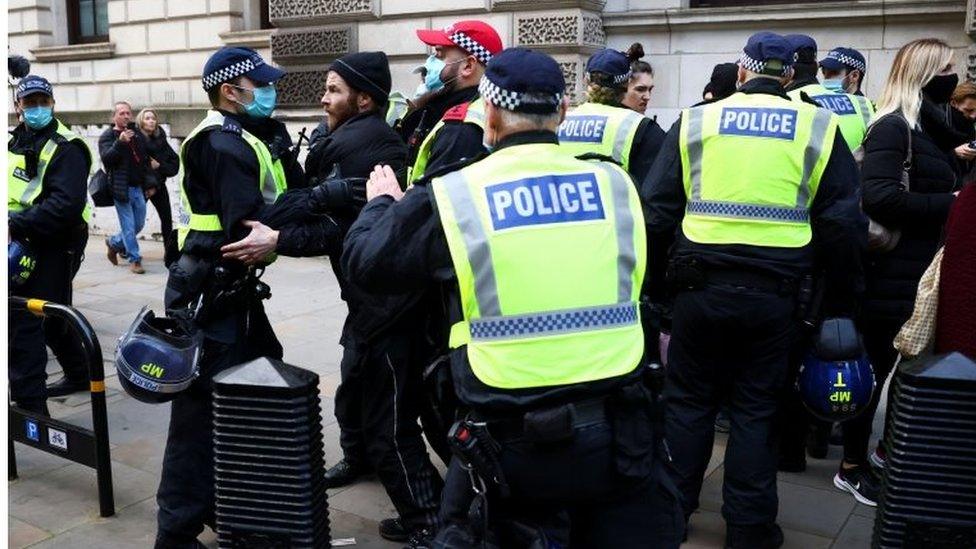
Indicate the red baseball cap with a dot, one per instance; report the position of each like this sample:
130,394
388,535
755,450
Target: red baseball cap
475,37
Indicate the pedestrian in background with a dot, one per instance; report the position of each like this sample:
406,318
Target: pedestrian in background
164,163
641,81
956,316
900,138
722,83
123,153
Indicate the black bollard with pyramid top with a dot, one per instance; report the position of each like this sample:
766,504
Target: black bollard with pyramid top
268,458
928,499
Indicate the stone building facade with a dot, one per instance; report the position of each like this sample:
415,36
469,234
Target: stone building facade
155,49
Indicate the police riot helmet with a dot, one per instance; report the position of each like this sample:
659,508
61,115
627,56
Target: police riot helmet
20,262
157,357
836,380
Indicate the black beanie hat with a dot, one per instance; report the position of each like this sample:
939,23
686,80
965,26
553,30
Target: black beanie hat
367,72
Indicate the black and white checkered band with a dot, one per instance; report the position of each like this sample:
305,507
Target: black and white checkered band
33,86
514,101
756,66
471,46
847,60
231,71
621,78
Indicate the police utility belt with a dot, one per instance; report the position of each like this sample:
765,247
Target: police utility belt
689,273
211,289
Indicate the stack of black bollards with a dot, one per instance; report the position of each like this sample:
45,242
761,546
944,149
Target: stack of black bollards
268,458
929,492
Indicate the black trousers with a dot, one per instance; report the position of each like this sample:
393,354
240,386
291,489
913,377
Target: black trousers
160,201
573,493
27,334
378,405
728,345
186,487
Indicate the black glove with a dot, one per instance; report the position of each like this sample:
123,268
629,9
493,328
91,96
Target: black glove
338,194
839,340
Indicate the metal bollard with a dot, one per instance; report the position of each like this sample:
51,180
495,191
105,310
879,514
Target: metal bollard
929,490
84,446
269,461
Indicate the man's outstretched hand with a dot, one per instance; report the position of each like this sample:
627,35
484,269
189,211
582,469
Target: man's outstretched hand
257,245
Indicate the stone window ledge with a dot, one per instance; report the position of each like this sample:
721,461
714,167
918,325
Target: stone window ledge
74,52
257,39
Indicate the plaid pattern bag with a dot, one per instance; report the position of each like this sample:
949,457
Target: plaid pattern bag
918,334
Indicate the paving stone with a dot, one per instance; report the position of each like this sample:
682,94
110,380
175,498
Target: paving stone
814,511
129,419
366,499
131,528
32,462
348,525
856,533
73,491
21,534
145,454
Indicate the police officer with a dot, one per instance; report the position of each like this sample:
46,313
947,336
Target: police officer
547,346
603,126
396,109
449,124
236,167
378,400
749,194
853,111
48,166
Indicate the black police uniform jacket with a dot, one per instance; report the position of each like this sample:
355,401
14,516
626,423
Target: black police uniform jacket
457,140
55,218
392,249
647,145
351,150
839,226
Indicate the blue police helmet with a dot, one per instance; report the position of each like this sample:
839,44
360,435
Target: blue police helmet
157,357
20,262
835,390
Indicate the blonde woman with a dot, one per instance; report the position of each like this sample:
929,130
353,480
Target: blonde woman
921,72
164,163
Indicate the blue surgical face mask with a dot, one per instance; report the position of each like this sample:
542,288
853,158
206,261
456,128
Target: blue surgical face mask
38,117
834,84
434,66
264,102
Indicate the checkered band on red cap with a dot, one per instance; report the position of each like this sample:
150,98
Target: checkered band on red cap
756,66
848,60
513,101
471,46
227,73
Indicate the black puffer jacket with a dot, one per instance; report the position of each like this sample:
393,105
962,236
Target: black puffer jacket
920,213
126,166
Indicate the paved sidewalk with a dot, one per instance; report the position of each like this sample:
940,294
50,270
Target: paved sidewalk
54,504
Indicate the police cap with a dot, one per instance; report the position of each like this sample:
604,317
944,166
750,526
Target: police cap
767,53
612,63
228,63
804,47
523,80
844,58
32,84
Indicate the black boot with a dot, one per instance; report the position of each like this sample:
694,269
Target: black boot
342,474
753,536
392,529
66,386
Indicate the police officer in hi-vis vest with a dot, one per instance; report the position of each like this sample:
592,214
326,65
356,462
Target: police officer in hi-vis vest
748,195
47,173
540,258
839,95
237,166
605,127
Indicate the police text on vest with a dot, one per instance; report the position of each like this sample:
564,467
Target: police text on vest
758,122
543,200
583,128
836,103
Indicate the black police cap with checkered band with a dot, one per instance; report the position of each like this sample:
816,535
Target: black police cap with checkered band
32,84
844,58
523,80
767,53
229,63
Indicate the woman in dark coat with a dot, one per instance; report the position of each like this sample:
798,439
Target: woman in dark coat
921,71
165,163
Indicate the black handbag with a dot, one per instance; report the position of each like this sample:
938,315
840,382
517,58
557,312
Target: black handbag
100,189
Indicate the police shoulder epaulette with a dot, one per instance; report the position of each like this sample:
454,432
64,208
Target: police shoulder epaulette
597,157
457,113
231,126
805,97
444,170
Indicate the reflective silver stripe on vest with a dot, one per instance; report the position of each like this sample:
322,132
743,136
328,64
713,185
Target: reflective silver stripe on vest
620,140
476,242
626,254
269,191
554,322
34,184
865,105
818,134
695,151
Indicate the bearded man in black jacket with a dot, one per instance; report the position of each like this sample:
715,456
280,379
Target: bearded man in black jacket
379,398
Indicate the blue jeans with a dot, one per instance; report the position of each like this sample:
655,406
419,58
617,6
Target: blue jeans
132,217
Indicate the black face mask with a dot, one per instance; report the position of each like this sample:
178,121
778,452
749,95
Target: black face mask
940,88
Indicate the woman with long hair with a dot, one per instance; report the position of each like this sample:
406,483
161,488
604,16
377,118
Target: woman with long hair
164,163
905,135
641,81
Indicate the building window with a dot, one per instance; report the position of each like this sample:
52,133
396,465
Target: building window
87,21
265,14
